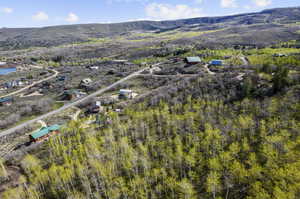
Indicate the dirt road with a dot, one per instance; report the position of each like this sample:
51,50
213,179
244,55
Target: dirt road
31,85
101,91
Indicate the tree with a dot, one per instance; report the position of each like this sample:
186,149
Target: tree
186,190
280,79
3,172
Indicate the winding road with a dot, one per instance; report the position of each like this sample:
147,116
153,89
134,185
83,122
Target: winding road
101,91
33,84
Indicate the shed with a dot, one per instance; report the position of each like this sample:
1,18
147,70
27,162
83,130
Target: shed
6,101
193,60
44,133
216,62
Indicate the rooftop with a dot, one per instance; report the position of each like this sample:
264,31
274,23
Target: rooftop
193,59
5,99
125,91
44,131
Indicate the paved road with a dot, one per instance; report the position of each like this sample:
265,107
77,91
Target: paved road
178,75
101,91
244,60
31,85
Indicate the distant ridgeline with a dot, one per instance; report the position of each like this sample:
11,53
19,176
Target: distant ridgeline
254,28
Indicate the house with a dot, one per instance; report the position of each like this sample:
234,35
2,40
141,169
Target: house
216,62
3,87
6,101
3,63
71,95
279,55
152,70
61,78
155,69
125,94
120,60
44,133
192,60
95,108
14,84
85,82
93,67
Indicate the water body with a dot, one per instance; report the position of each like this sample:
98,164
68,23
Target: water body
5,71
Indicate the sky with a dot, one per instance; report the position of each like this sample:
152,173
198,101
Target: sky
39,13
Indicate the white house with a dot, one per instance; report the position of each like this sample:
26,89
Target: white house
2,63
127,94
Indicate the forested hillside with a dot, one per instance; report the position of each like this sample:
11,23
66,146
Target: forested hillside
204,137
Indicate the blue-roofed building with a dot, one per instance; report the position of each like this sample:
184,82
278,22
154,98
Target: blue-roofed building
44,133
6,101
216,62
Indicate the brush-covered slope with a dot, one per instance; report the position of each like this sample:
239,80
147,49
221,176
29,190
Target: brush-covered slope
274,19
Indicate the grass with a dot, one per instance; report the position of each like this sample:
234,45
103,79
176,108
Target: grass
169,35
266,76
148,60
58,105
208,55
271,51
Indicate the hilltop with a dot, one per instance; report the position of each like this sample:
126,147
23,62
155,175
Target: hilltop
268,24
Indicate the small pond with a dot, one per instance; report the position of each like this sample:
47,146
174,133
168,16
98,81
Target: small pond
5,71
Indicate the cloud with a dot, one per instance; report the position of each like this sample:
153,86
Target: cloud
6,10
247,7
126,1
229,3
262,3
198,1
72,18
40,16
159,11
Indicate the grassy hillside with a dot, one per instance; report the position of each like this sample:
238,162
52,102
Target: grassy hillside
53,36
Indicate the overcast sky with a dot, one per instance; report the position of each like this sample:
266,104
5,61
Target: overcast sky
36,13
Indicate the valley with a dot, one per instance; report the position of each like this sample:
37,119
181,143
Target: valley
149,109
